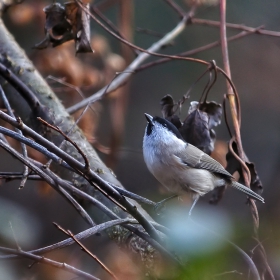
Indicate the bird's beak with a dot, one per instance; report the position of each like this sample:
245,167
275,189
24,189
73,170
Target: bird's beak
149,118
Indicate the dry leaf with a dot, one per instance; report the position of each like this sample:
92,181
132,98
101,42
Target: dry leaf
233,165
167,110
64,23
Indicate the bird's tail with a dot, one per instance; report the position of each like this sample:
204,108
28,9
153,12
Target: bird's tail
247,191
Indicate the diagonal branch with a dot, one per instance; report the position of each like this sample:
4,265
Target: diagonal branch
127,73
50,262
69,233
23,147
80,236
235,26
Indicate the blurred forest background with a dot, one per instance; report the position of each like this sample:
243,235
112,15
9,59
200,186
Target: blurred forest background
117,126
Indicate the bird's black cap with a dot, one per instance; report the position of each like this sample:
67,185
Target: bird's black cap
164,122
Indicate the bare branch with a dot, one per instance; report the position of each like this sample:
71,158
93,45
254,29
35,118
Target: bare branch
50,262
236,118
123,77
56,128
235,26
133,210
80,236
23,147
69,233
82,170
194,51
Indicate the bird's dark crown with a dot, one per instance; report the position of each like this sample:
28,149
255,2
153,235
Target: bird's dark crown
167,124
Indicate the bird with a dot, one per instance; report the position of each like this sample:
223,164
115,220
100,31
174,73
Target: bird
181,167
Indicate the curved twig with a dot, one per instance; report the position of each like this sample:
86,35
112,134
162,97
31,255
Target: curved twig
213,67
131,68
144,55
236,118
194,51
246,257
241,161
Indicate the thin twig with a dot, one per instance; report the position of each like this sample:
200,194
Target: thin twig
149,32
92,176
77,89
196,50
23,147
134,196
236,118
246,257
185,20
74,202
9,176
79,236
241,161
50,262
69,233
146,53
48,179
14,236
109,23
176,7
264,257
56,128
235,26
93,200
130,69
227,272
69,132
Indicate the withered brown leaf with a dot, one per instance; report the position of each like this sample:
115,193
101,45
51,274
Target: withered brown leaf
64,23
57,28
197,129
214,111
167,110
234,165
80,23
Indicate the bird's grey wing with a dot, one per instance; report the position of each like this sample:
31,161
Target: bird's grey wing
195,158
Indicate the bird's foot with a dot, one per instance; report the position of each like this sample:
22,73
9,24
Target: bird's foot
161,204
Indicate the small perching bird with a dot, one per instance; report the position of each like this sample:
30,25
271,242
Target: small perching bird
180,166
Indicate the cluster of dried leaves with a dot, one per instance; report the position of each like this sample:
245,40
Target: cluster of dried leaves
197,128
64,23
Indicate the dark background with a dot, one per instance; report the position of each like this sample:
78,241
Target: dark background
254,61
